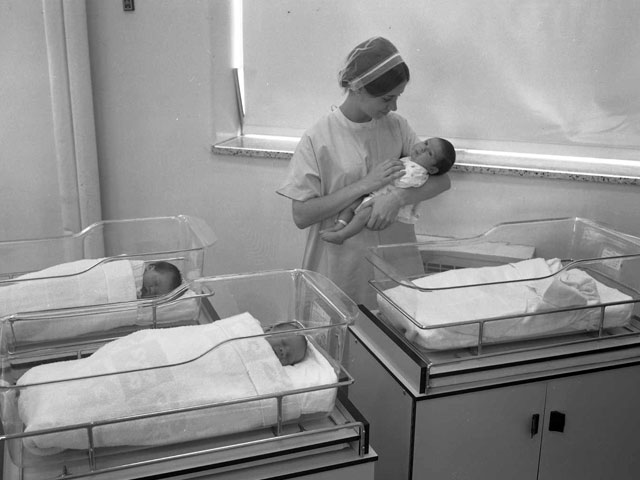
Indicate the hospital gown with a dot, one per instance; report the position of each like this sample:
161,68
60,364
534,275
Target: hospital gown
332,154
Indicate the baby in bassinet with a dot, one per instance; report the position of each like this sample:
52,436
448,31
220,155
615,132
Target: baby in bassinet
87,282
156,278
434,156
290,349
165,369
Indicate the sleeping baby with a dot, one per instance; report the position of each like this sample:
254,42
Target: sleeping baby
290,349
176,372
87,282
155,278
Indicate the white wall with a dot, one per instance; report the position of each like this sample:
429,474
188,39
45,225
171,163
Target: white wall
29,190
47,135
163,95
476,202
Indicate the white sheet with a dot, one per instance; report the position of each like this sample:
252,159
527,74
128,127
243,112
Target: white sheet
84,283
566,289
314,370
72,284
232,370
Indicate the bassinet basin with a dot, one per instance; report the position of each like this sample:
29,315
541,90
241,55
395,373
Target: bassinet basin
519,285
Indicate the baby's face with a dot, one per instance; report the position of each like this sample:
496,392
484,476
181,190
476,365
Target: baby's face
290,349
155,283
427,154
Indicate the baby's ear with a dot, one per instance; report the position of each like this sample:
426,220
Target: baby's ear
432,170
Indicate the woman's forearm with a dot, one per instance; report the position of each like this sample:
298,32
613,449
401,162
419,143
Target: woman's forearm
431,188
314,210
385,207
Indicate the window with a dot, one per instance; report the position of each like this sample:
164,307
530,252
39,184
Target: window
536,76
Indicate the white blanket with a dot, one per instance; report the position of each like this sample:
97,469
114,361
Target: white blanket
232,370
83,283
572,288
72,284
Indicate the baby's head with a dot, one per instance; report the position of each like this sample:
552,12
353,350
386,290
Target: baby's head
436,155
159,278
290,348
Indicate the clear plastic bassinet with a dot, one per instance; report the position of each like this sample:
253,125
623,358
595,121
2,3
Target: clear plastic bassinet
519,286
167,408
181,239
103,264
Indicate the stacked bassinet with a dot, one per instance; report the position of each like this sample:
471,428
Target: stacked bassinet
87,367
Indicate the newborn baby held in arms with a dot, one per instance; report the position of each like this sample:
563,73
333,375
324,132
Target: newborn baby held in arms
434,156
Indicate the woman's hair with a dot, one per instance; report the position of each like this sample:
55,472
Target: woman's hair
171,269
367,56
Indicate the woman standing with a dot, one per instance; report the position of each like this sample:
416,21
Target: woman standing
349,153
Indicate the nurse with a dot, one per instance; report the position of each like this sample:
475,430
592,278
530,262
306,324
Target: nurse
347,154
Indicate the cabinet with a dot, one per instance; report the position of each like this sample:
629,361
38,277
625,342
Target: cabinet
600,437
489,429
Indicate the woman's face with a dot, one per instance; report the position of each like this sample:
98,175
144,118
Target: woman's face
377,107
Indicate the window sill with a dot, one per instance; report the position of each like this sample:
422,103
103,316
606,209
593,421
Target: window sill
587,169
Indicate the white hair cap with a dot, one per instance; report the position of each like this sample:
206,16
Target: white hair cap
359,70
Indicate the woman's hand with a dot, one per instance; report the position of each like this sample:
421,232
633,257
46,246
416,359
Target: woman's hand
382,174
384,210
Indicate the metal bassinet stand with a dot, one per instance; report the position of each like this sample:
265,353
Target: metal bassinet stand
329,443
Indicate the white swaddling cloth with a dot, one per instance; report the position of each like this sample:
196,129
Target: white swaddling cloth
572,288
73,284
232,370
414,176
84,283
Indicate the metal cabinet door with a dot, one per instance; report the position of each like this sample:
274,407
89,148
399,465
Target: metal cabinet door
484,434
591,427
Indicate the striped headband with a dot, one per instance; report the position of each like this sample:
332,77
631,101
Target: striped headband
375,72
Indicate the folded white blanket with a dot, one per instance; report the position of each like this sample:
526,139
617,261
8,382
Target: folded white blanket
72,284
233,370
84,283
315,370
573,288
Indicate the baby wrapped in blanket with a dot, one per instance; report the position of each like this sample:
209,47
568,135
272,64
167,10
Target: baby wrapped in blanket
535,288
87,282
84,283
182,367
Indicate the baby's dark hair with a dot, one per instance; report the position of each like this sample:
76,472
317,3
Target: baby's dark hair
171,269
446,162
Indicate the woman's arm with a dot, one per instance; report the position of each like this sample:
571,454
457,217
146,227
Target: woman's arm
385,207
314,210
432,188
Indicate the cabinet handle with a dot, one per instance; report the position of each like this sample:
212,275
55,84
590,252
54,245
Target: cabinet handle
535,422
556,421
